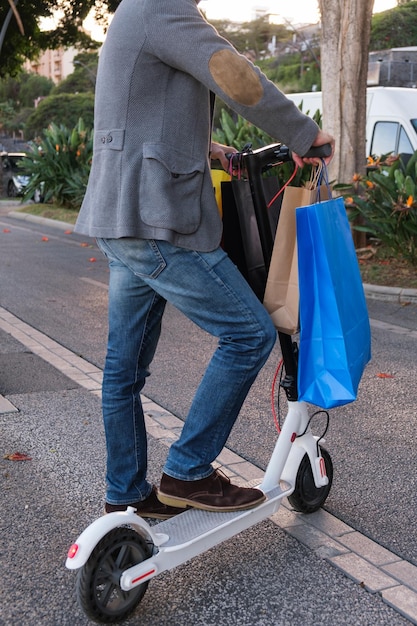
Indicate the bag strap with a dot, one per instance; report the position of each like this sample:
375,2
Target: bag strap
319,177
324,180
315,177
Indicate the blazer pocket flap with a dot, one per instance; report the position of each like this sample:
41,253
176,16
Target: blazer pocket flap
175,161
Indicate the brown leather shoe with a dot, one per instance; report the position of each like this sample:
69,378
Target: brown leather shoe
151,507
215,493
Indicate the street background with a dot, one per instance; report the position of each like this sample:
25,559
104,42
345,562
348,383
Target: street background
55,281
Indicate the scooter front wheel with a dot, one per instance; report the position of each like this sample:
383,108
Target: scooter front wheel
306,497
98,581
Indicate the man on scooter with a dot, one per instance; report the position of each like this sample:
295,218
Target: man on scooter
150,204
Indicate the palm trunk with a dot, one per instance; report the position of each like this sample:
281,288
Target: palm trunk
346,27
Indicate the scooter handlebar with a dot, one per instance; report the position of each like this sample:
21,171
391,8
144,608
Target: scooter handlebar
319,152
268,156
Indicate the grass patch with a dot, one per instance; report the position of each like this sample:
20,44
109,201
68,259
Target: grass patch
51,212
378,266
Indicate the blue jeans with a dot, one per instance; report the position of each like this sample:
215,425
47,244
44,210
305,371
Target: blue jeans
210,291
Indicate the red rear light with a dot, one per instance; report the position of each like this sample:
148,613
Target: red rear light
73,551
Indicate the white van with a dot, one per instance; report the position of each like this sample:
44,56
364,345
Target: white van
391,120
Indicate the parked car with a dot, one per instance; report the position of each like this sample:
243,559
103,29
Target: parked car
14,180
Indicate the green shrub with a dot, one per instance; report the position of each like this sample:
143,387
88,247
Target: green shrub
64,108
241,132
385,201
292,73
59,164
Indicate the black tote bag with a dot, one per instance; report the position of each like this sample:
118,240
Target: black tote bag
241,238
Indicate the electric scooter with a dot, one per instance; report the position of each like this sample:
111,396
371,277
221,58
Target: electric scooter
119,553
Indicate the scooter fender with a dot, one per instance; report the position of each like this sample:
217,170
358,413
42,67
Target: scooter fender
80,551
302,445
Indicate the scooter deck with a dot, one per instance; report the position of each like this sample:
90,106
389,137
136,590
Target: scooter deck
193,532
193,523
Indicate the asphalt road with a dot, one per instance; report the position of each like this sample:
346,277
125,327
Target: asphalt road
56,282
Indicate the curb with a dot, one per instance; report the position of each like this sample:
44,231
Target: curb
37,219
401,295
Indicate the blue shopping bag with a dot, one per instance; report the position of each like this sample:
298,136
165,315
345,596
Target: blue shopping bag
335,338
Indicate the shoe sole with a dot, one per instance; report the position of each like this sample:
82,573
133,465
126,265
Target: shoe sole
183,503
157,515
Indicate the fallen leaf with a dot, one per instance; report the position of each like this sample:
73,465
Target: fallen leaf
45,239
6,230
84,245
17,456
383,375
68,232
92,259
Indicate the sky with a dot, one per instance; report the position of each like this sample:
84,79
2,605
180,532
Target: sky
296,11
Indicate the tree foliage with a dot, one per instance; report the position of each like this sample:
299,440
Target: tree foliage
62,109
18,46
83,78
33,86
253,36
17,98
293,72
19,94
395,28
23,89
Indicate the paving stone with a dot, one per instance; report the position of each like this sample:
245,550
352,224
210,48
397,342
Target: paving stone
403,600
327,523
368,549
405,572
315,539
6,406
363,572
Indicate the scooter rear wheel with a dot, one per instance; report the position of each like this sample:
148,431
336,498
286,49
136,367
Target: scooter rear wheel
306,497
98,582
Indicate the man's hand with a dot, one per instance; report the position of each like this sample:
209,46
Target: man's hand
320,140
218,152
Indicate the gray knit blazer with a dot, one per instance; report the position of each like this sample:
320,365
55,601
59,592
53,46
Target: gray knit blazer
150,175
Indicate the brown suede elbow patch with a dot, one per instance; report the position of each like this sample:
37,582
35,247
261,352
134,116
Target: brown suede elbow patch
236,77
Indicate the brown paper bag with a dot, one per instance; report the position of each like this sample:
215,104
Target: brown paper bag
281,298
